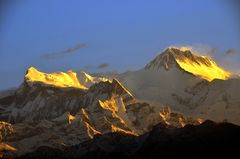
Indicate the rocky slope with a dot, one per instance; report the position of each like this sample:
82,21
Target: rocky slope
44,114
205,140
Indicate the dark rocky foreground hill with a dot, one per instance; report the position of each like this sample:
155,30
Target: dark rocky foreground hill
207,139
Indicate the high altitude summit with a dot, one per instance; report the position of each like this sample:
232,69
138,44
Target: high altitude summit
185,59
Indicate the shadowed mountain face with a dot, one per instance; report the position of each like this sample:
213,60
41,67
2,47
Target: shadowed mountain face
207,139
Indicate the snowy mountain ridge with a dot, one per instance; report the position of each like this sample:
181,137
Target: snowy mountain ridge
41,113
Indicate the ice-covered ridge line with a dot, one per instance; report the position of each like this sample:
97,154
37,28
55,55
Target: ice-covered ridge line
202,66
62,79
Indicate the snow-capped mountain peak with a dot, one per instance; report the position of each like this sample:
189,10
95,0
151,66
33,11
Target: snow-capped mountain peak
57,79
187,60
67,79
164,60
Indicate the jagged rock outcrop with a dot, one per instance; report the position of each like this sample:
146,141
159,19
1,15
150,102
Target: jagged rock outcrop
6,129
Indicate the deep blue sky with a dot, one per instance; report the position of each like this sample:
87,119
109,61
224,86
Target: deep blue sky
125,34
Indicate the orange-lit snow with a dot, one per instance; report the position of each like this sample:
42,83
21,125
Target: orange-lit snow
61,79
202,66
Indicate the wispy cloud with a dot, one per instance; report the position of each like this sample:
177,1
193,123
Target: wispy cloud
103,65
211,52
231,52
231,60
63,53
88,66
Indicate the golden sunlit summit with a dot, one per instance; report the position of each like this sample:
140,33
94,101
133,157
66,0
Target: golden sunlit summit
70,78
202,66
59,79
